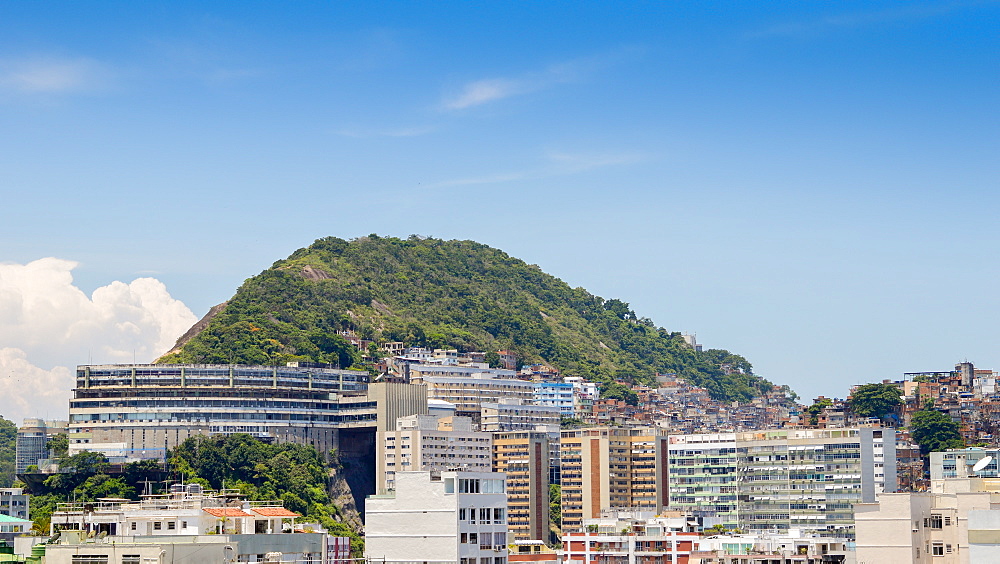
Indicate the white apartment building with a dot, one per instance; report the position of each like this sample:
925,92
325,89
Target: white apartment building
782,479
186,510
512,414
764,548
556,394
957,522
470,391
420,371
14,502
584,394
425,442
180,523
446,518
631,537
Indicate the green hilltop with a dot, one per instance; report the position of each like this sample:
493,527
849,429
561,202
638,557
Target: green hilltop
446,294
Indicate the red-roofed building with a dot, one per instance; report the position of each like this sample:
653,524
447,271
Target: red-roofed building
169,522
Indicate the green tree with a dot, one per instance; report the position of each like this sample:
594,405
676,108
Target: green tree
935,431
8,447
722,357
717,529
555,505
493,360
102,485
296,474
58,446
816,408
619,391
449,294
875,400
86,462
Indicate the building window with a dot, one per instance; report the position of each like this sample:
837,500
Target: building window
89,559
131,559
157,525
937,549
171,525
933,522
133,525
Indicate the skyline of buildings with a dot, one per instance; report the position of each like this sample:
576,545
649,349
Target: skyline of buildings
804,478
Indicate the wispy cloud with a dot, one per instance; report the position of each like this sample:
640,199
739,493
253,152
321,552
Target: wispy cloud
486,90
553,164
53,75
483,91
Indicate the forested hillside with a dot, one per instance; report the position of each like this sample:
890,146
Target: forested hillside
446,294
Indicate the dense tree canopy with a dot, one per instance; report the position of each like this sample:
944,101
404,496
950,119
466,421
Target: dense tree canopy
875,400
455,294
295,474
618,391
8,443
935,431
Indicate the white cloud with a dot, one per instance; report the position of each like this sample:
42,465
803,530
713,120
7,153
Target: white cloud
479,92
29,391
49,75
48,326
483,91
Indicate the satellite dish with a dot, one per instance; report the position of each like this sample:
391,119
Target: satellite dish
983,463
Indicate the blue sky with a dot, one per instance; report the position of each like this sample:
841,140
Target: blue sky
811,185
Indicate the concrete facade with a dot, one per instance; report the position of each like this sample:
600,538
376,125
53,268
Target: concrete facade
611,467
425,442
614,539
931,526
517,415
453,518
524,458
783,479
555,394
140,411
